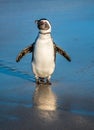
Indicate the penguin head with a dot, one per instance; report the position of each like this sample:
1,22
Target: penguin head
43,25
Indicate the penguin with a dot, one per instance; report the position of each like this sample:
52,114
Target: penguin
44,51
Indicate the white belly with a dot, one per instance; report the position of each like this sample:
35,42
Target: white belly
43,63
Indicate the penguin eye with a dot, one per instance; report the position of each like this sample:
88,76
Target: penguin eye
42,22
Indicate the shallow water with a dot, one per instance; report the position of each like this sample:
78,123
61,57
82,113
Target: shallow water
69,102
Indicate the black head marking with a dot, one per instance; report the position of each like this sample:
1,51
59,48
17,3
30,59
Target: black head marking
43,19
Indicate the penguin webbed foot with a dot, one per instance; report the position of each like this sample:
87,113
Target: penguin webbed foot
40,81
48,82
43,81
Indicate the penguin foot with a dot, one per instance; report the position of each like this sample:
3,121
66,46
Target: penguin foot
40,81
48,82
43,81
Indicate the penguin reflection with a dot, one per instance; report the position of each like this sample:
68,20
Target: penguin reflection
44,98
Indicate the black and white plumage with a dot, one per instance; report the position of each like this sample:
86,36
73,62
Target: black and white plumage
44,52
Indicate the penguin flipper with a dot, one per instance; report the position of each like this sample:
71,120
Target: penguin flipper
29,49
62,52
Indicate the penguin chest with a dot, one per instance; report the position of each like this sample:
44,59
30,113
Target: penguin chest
43,63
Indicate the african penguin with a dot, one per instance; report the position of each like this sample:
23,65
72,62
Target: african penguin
44,52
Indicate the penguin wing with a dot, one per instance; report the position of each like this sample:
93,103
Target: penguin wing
29,49
61,52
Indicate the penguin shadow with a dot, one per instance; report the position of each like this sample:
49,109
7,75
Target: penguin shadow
9,69
44,98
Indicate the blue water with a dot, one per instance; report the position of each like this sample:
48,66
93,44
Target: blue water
72,90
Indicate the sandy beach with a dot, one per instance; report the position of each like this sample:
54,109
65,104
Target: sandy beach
67,104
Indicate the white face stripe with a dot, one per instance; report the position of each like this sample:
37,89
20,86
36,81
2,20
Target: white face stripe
47,22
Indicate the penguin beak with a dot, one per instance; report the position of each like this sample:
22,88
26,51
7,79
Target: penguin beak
39,22
36,21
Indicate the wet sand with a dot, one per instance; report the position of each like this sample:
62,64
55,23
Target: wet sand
68,104
27,106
